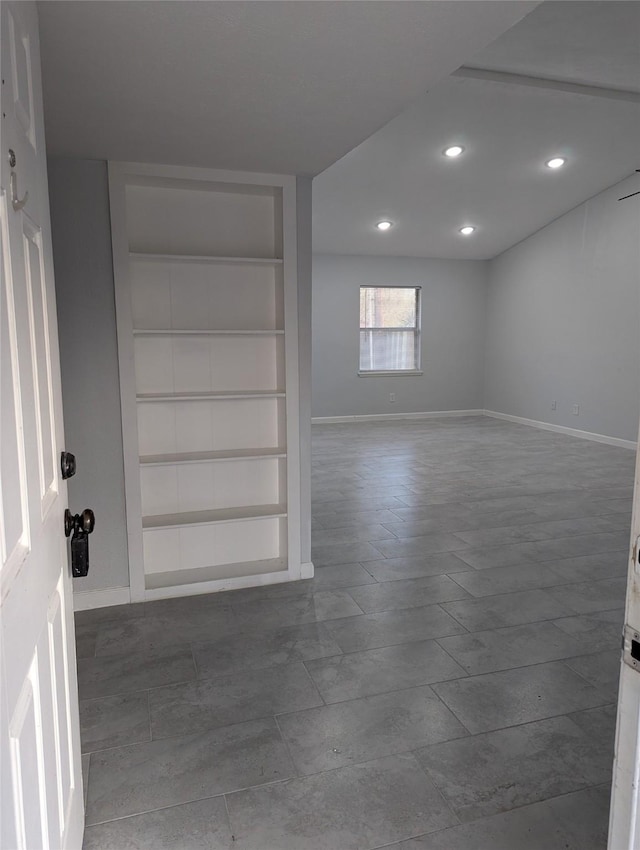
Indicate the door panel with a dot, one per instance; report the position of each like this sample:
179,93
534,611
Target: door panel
42,800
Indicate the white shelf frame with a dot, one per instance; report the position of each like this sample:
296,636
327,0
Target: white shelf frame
120,175
206,258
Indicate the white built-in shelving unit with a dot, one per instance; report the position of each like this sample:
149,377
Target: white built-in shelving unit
205,272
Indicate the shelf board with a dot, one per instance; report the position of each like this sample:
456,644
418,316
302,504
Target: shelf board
203,258
173,332
189,518
218,574
210,396
208,457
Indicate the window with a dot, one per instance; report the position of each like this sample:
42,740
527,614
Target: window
389,329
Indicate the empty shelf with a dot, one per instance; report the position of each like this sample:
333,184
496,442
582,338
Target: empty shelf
205,457
203,258
210,517
201,575
174,332
221,394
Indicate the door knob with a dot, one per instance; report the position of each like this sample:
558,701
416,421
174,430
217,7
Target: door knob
83,523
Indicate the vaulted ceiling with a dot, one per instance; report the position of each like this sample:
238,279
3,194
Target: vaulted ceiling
565,81
266,86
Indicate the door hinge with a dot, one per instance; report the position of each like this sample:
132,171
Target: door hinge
631,647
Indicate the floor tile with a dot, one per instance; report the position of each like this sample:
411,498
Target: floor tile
350,534
497,580
429,545
357,504
342,575
587,597
592,567
142,777
600,726
508,609
345,519
158,632
601,669
597,631
497,771
413,593
203,825
271,613
112,613
257,651
510,697
397,569
363,729
377,671
544,550
353,808
86,637
119,674
114,721
343,553
208,703
513,646
577,821
387,628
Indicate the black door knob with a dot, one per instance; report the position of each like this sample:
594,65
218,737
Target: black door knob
83,523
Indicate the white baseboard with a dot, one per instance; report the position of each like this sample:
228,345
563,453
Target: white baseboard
563,429
370,417
86,599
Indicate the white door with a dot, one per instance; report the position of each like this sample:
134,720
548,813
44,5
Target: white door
42,801
624,824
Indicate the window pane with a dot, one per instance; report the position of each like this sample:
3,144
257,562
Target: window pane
387,350
387,307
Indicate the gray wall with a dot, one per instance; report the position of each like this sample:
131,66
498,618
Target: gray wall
453,335
563,318
89,360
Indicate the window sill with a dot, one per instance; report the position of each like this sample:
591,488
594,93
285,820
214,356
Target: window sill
404,373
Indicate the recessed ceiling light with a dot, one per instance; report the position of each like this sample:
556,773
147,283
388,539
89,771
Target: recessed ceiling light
556,162
467,230
384,225
453,151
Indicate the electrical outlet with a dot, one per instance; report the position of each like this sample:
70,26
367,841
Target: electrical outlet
554,405
576,409
392,397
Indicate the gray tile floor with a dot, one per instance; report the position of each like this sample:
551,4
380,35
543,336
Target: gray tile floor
447,681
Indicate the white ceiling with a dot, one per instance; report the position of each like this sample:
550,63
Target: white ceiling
268,86
500,184
594,43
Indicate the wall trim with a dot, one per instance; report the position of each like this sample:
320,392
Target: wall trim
83,600
367,417
563,429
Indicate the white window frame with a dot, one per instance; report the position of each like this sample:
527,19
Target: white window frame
417,329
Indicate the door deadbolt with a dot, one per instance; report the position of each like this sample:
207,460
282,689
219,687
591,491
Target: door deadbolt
67,465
